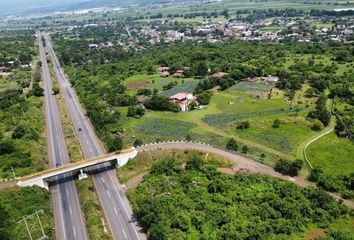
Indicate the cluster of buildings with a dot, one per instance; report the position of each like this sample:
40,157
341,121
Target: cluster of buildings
179,73
261,30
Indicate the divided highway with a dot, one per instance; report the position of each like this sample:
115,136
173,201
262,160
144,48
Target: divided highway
114,201
67,213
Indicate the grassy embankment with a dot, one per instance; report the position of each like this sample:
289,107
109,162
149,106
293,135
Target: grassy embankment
143,162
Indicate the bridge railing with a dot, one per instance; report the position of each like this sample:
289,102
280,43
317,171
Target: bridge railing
77,164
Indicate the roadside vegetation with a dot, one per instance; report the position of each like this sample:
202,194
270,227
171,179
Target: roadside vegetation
196,201
139,166
22,143
18,203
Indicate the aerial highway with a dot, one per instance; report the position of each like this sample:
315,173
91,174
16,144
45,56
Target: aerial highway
112,196
67,213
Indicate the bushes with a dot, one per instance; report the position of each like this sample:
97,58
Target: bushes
18,132
138,143
243,125
6,147
204,97
136,110
321,112
144,91
161,103
288,167
115,144
192,202
232,145
317,125
343,184
276,123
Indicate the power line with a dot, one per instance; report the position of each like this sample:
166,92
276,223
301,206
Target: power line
30,225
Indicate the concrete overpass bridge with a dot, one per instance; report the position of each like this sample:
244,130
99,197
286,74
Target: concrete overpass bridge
42,178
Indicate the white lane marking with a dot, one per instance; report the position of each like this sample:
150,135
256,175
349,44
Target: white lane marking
109,195
102,179
125,235
71,212
115,210
67,192
121,201
74,231
91,150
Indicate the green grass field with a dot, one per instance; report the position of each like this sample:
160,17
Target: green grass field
333,154
6,83
240,103
156,81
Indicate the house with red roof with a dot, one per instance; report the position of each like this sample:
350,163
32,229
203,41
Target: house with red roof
183,99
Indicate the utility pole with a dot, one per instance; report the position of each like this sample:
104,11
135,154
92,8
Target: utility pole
36,218
13,172
29,232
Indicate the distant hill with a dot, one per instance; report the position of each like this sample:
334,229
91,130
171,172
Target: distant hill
26,7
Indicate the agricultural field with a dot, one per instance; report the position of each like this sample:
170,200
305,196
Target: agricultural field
339,160
216,123
155,81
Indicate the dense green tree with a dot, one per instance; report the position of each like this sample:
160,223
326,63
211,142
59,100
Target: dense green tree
115,144
291,168
232,145
18,132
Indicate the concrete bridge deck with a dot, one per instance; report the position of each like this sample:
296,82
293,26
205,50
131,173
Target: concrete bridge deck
40,178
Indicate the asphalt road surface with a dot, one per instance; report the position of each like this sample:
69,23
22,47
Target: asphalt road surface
114,201
67,213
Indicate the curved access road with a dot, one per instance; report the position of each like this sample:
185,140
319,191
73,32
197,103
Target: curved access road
241,163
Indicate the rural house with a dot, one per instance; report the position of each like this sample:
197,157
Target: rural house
270,79
183,100
179,74
219,74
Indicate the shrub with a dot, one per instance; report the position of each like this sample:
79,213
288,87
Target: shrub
245,149
56,90
115,144
232,145
204,97
188,138
18,132
137,110
144,91
317,125
6,147
243,125
276,123
138,143
161,103
288,167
